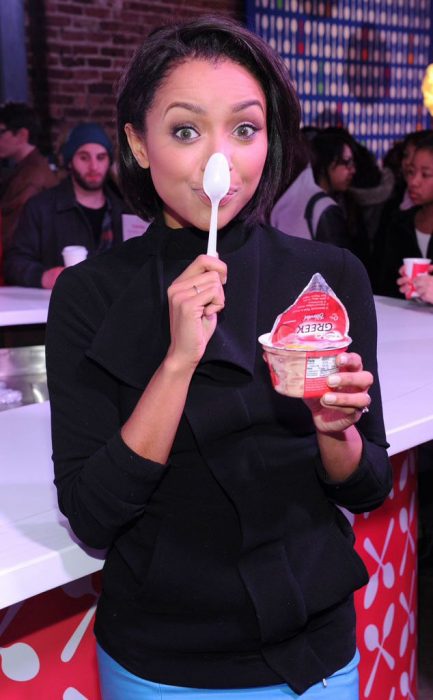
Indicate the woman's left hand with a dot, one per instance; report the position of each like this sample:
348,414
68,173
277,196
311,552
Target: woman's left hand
343,405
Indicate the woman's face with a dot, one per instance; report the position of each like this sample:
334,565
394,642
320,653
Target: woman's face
341,172
420,177
201,108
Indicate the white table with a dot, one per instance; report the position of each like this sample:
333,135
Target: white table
23,305
37,549
405,355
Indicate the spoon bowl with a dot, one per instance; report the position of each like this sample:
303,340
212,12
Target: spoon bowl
216,184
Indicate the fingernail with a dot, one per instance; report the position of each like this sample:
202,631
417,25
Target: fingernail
334,380
342,359
329,398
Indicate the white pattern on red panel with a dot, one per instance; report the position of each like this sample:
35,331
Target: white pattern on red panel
384,568
375,643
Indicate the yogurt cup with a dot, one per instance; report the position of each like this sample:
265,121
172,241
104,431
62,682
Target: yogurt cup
301,371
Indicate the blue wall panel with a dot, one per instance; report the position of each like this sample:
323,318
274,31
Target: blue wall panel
356,63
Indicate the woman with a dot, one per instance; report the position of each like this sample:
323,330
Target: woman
229,566
305,210
409,232
334,166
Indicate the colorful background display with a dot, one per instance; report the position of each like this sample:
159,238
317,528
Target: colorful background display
355,63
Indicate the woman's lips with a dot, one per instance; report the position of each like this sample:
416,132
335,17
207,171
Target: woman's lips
227,198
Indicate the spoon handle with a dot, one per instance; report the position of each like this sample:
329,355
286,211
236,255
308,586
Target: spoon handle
212,240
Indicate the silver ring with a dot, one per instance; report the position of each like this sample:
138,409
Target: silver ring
365,410
197,290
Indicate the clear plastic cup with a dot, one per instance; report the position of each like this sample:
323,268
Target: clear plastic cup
301,372
74,254
414,267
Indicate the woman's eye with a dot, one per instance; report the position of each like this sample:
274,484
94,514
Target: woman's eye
185,133
245,131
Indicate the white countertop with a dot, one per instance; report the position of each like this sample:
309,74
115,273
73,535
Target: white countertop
37,549
405,355
23,305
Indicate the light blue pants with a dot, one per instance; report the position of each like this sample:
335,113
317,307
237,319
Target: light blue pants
118,684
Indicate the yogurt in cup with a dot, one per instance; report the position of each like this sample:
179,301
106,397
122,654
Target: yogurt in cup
302,347
301,371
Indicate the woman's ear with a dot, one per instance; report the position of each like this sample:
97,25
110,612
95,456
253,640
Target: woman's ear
137,146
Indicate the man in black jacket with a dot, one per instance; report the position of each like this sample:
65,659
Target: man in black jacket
81,210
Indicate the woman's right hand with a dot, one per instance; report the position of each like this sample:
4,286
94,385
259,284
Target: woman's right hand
195,298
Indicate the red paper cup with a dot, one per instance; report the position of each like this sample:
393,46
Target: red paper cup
301,373
414,267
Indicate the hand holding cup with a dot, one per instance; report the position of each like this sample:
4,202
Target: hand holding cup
412,269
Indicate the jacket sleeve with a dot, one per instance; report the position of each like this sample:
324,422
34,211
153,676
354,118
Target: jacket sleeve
22,264
371,482
102,485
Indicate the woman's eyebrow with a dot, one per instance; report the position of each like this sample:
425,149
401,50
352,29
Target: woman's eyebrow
247,103
196,109
190,106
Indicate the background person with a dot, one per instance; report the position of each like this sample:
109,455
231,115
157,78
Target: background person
409,232
28,170
334,167
305,210
81,210
215,495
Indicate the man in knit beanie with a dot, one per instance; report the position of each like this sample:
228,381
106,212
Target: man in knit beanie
82,134
82,210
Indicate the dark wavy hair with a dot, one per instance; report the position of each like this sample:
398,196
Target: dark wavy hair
210,38
18,115
327,148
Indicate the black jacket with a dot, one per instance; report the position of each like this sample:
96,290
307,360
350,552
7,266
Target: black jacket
49,222
231,566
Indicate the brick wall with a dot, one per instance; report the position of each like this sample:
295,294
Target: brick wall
77,49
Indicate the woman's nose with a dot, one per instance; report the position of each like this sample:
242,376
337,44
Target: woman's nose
219,148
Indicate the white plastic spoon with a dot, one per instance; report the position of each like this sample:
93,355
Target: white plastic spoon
216,184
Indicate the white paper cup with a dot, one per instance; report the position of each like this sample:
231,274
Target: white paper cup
301,373
74,254
414,267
